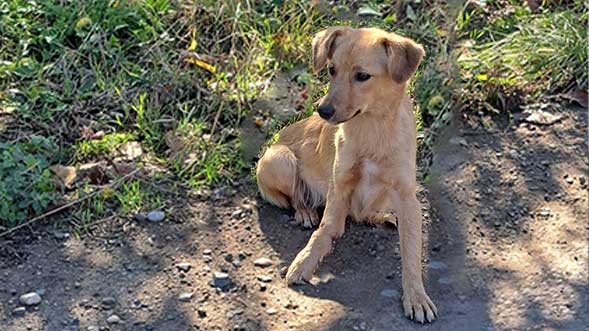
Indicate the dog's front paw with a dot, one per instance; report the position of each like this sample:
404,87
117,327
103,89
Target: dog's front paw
302,268
306,217
418,306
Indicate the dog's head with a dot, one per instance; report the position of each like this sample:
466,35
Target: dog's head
367,67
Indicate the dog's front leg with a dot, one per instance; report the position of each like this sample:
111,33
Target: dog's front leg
332,224
416,302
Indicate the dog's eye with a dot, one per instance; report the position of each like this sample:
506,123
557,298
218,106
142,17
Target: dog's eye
362,76
331,70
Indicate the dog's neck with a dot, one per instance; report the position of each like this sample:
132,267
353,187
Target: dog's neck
385,123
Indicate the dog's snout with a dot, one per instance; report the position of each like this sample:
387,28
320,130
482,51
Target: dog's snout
326,111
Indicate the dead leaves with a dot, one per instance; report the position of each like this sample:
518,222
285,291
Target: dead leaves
64,175
100,172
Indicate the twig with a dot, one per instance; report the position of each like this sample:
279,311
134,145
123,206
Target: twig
67,205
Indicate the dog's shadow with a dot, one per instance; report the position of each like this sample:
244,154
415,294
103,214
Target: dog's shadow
363,273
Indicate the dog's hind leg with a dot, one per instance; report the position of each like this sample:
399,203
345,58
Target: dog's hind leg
280,184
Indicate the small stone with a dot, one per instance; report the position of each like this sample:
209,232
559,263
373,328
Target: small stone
389,293
207,258
264,278
61,235
19,311
236,214
437,265
108,303
236,263
291,305
271,311
263,262
40,291
156,216
30,299
221,280
140,217
207,252
113,319
185,297
92,328
184,266
228,257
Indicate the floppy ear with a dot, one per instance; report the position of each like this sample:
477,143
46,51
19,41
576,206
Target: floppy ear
404,56
324,45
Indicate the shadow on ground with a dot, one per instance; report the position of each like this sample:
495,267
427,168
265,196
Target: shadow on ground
506,249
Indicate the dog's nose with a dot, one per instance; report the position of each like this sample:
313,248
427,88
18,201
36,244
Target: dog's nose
326,111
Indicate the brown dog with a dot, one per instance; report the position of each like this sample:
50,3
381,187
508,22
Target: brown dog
357,157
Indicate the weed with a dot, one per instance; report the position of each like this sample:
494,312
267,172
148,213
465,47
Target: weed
26,186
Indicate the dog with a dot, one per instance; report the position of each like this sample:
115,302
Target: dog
357,156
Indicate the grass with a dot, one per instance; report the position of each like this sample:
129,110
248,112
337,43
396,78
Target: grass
179,77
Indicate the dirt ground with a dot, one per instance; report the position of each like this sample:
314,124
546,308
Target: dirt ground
506,249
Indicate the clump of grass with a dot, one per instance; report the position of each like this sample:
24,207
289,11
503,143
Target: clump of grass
535,55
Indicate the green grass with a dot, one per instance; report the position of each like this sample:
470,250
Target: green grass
152,70
530,57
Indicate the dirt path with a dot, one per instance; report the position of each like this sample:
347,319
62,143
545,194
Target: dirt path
506,240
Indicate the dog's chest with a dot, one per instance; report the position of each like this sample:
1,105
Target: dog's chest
370,178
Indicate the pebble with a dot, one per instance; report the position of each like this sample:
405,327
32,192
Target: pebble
40,291
156,216
184,266
207,252
236,214
19,311
263,262
30,299
221,280
389,293
437,265
291,305
92,328
264,278
113,319
61,235
228,257
140,217
271,311
185,297
108,303
236,263
202,313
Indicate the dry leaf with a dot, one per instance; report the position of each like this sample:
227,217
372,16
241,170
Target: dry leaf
542,117
94,172
65,174
131,150
201,64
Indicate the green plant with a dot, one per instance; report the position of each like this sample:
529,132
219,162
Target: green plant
531,56
26,186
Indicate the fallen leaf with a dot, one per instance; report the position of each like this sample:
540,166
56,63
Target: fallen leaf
65,174
94,172
541,117
201,64
131,150
579,96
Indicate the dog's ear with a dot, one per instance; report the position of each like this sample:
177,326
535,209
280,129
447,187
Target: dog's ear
324,45
404,56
